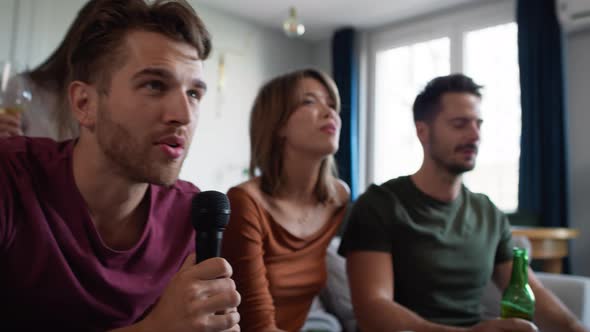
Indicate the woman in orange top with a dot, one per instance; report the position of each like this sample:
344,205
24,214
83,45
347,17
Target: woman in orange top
283,220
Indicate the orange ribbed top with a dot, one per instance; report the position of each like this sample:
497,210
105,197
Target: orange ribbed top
276,273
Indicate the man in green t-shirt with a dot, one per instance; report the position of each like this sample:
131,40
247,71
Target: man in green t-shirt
421,248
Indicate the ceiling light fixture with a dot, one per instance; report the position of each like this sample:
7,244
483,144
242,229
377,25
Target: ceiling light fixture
291,26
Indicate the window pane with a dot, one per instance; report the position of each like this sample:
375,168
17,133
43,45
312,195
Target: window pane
401,73
491,59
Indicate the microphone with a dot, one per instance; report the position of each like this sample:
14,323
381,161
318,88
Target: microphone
210,214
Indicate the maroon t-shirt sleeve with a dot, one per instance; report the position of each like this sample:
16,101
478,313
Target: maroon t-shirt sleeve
6,200
3,203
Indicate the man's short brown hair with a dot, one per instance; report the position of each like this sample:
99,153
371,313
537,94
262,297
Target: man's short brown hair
427,103
96,47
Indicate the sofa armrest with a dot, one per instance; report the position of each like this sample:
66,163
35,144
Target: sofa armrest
573,291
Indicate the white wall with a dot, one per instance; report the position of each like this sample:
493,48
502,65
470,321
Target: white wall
322,55
40,27
220,151
7,8
578,80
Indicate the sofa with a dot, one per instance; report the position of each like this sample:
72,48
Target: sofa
332,310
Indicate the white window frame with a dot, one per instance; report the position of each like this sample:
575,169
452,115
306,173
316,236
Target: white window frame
450,23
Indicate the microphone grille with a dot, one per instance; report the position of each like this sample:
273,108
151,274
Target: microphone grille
210,210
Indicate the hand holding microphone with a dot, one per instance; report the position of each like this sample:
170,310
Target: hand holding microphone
201,297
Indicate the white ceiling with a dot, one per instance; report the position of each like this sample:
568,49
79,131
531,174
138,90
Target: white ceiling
322,17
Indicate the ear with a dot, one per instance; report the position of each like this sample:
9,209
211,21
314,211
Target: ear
423,132
83,103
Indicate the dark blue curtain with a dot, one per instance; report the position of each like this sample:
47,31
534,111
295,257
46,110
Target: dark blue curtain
346,75
543,188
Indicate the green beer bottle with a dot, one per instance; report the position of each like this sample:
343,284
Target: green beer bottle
518,300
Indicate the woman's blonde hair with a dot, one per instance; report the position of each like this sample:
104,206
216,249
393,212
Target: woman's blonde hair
273,106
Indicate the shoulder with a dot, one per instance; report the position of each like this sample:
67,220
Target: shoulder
341,191
382,194
22,144
250,187
249,193
26,155
396,185
249,208
480,200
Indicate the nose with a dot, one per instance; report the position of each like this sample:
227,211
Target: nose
178,110
474,131
328,111
331,113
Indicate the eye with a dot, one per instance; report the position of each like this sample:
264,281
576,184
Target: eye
155,85
308,101
458,124
195,94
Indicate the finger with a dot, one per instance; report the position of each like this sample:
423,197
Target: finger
9,121
226,311
517,324
212,268
208,288
217,303
224,322
9,130
235,328
189,262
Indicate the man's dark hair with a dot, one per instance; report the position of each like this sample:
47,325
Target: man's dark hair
426,105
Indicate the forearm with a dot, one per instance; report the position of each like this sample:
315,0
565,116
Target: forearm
551,314
386,315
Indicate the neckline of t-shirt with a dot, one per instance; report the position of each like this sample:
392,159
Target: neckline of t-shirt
433,201
273,222
104,249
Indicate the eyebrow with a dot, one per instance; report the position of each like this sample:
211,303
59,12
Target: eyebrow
467,119
313,94
165,74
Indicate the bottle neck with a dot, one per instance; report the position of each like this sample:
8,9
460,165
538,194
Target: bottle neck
520,275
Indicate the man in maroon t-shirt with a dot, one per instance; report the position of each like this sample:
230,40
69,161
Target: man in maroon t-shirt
95,232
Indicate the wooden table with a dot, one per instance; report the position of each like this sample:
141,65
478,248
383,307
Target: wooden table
548,244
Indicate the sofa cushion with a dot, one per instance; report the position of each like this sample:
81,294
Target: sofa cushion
336,295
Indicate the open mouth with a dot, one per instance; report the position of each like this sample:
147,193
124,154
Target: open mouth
172,146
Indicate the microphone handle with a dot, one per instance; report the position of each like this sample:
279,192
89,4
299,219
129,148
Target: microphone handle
208,244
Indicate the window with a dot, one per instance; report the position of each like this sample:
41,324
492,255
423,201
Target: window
401,72
485,51
496,172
